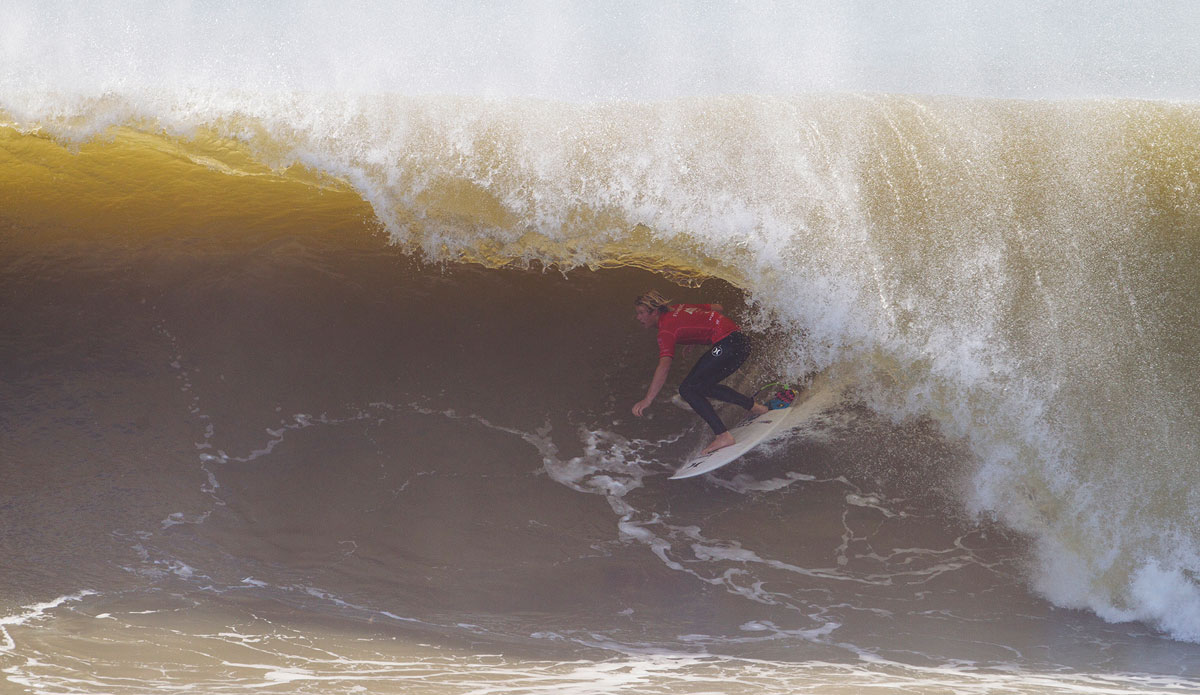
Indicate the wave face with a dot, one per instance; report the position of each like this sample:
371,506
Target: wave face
296,359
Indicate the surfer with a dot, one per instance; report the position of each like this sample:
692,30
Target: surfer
697,324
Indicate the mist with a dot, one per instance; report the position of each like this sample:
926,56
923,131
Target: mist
577,51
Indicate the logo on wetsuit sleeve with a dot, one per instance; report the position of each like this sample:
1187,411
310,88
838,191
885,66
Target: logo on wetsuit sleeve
716,352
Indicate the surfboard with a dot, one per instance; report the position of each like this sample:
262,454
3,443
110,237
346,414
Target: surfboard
748,434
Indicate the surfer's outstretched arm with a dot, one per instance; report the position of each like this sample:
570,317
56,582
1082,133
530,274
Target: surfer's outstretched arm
656,384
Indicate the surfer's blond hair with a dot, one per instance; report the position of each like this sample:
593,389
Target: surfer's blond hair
653,301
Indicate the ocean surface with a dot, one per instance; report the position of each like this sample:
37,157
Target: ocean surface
309,391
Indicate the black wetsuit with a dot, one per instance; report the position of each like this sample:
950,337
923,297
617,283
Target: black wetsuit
704,381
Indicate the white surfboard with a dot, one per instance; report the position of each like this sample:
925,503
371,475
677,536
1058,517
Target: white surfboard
821,395
747,435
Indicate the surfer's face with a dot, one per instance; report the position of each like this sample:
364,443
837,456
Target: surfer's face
645,315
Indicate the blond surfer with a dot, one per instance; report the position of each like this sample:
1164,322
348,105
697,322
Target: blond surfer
697,324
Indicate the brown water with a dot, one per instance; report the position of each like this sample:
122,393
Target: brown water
253,442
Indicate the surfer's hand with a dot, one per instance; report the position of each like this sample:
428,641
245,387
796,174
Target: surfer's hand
640,406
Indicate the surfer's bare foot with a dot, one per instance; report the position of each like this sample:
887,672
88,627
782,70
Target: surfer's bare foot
723,440
759,409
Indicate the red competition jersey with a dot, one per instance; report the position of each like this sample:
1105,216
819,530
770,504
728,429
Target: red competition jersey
691,324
